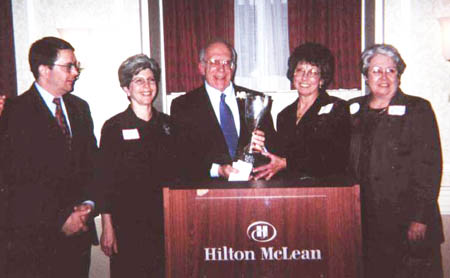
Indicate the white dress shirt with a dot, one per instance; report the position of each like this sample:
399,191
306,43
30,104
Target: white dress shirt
230,99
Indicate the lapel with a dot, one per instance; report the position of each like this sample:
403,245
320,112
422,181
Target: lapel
206,112
313,112
39,105
290,114
43,123
243,132
311,117
72,114
357,133
391,126
40,108
207,117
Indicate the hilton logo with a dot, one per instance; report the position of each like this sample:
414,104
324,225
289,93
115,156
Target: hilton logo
261,231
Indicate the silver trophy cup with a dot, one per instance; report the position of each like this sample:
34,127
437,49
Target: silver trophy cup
256,109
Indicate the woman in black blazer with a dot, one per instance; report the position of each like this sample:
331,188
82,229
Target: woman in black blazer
396,157
314,131
137,154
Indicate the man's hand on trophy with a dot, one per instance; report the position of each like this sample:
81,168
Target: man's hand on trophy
257,142
242,168
226,169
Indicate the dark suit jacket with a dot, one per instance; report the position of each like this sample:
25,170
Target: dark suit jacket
202,136
319,145
43,180
401,173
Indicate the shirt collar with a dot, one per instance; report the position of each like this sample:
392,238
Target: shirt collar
153,120
213,92
48,97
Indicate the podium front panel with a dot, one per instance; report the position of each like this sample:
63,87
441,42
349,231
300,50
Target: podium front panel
263,232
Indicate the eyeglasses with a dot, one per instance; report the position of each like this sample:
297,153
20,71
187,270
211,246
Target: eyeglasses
216,63
140,81
70,66
378,71
311,73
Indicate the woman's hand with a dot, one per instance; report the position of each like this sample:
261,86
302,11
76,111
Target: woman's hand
108,241
416,231
2,103
267,171
257,141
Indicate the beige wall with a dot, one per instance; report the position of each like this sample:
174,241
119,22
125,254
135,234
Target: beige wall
446,247
412,27
99,262
103,33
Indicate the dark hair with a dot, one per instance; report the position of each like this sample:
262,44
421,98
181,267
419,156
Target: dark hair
383,49
133,65
316,55
45,52
202,52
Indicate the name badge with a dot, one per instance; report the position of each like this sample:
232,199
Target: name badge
396,110
326,109
354,108
130,134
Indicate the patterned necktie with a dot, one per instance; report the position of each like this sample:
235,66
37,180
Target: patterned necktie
228,127
61,120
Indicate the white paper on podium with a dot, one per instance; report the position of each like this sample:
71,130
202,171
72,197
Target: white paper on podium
245,169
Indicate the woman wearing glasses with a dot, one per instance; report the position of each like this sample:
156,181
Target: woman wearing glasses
396,157
314,131
136,156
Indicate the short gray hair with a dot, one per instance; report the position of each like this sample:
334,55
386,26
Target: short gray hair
133,65
202,51
383,49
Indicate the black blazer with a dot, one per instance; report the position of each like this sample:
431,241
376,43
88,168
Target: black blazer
403,166
201,134
132,171
43,179
319,145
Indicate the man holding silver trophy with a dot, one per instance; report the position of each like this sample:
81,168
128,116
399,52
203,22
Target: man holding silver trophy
212,120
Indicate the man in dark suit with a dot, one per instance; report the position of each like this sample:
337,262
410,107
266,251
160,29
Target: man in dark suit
209,143
47,153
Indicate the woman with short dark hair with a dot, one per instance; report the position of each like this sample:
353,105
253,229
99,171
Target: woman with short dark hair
396,158
137,154
314,131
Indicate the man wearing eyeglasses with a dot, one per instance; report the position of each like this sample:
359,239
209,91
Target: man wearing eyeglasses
47,153
211,117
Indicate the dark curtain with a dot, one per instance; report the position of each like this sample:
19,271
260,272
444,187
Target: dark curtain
8,82
335,24
188,26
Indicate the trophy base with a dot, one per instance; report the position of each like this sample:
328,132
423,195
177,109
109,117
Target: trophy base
256,159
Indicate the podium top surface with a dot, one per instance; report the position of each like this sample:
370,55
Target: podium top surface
335,181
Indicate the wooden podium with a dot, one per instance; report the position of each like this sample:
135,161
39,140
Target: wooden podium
263,229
